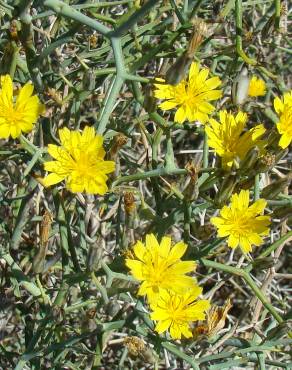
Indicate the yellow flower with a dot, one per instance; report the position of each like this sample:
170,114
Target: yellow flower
228,139
159,267
175,312
284,109
191,96
242,223
19,116
257,87
79,161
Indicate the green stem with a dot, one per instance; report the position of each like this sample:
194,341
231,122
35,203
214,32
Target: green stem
102,290
272,248
13,62
176,351
169,156
21,277
256,187
26,37
277,14
62,8
79,305
196,8
205,151
145,175
133,19
67,236
177,12
23,215
111,97
238,39
187,220
247,278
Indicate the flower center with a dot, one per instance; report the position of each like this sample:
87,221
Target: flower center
11,114
84,164
241,225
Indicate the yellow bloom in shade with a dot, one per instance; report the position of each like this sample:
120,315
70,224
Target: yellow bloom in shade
257,87
284,109
159,267
79,161
20,116
176,312
191,96
243,224
229,140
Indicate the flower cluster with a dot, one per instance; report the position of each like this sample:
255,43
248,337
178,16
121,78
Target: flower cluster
172,295
165,280
80,158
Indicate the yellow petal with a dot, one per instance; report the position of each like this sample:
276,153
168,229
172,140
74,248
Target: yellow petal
178,250
165,246
180,115
52,179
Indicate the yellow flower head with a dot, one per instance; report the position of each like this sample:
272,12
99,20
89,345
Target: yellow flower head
175,312
79,161
228,139
191,96
159,267
243,224
284,109
19,116
257,87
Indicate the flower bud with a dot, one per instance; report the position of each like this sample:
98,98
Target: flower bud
137,348
204,232
283,212
88,82
14,28
280,330
191,191
268,161
130,208
249,161
240,87
179,69
94,256
92,39
39,260
112,307
210,181
263,263
226,189
245,184
118,141
149,103
272,190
